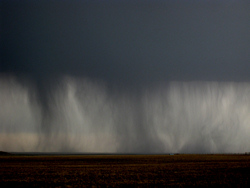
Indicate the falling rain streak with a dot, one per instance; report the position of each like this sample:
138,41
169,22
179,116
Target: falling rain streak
80,115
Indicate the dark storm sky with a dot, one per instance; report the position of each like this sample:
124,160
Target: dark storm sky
127,42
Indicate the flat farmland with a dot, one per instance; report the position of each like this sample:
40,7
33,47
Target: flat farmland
123,170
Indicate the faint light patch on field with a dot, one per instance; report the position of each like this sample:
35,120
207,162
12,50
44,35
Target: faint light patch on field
32,142
19,142
72,142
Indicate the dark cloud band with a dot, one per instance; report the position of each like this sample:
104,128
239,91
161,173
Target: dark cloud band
127,42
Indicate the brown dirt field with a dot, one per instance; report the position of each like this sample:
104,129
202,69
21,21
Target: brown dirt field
123,170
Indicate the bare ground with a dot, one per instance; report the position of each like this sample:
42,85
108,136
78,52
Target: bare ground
124,170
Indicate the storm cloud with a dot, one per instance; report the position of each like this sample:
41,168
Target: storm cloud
125,76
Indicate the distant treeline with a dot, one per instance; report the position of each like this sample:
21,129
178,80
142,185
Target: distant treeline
4,153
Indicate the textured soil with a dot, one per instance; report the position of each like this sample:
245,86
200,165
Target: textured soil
123,170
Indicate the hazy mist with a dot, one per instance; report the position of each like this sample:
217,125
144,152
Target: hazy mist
83,116
125,76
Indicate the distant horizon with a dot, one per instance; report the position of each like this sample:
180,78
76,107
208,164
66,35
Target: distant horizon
116,153
124,76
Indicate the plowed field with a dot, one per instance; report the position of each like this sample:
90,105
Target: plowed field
123,170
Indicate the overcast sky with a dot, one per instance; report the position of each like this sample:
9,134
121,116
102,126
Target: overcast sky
127,42
70,70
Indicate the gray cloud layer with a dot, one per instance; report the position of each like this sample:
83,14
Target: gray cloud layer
189,117
97,76
128,42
